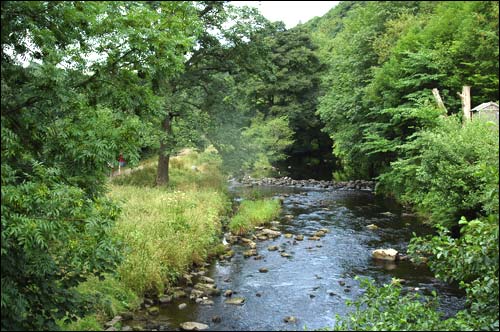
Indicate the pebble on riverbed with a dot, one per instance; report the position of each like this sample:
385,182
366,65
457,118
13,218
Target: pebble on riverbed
272,248
249,253
235,301
193,326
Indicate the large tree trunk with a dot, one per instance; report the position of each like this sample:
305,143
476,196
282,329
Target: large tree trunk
164,158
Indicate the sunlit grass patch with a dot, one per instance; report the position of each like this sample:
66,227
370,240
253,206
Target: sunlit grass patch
187,171
165,232
87,323
254,213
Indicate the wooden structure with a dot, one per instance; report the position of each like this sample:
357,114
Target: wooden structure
487,111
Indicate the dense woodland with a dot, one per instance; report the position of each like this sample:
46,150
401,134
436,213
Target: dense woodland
83,82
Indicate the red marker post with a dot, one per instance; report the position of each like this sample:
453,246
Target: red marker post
121,163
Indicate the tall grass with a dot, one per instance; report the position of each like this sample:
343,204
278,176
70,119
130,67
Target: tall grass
169,228
164,230
254,213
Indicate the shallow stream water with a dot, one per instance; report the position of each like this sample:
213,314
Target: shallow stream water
315,282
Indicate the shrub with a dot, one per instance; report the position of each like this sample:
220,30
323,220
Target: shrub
472,261
448,172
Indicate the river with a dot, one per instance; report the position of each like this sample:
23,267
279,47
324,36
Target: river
314,283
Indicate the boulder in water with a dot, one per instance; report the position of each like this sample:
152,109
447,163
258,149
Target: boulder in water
193,326
385,254
235,301
271,233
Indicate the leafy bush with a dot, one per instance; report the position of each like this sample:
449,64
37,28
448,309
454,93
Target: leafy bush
472,260
448,172
387,308
53,236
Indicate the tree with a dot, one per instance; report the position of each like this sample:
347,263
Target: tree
290,87
64,119
206,103
385,58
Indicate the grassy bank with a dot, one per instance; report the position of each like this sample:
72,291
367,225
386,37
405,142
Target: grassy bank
163,231
254,213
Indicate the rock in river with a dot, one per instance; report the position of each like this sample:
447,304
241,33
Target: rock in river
113,321
193,326
207,280
153,311
251,252
319,234
165,300
271,233
385,254
235,301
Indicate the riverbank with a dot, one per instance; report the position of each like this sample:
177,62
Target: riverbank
163,232
167,235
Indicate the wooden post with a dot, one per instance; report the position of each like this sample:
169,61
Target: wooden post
465,97
439,101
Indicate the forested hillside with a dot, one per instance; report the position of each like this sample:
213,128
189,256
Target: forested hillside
383,60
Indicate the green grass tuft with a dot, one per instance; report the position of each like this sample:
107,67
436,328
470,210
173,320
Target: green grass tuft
254,213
